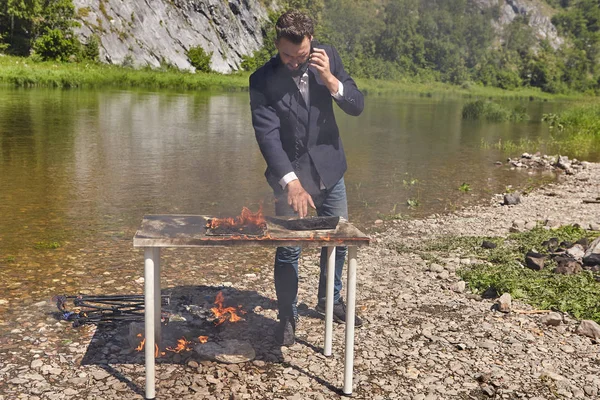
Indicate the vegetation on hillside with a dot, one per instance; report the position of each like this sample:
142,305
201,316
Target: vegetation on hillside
455,41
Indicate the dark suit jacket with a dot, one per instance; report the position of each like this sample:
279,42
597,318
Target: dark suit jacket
293,138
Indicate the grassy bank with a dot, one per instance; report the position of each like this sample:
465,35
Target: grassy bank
23,72
574,132
501,270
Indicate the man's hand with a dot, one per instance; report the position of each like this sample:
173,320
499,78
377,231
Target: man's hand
299,198
320,60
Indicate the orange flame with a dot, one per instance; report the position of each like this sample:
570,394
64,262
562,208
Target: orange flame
203,339
142,343
156,350
223,314
247,217
182,344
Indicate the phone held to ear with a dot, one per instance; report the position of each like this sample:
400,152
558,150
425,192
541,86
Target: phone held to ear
304,66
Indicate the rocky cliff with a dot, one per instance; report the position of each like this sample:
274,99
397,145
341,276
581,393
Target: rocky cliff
537,12
158,32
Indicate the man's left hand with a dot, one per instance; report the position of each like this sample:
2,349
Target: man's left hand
320,61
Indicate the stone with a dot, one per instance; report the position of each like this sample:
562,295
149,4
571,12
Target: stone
589,328
436,268
504,303
568,349
552,223
511,199
458,287
534,261
225,30
517,225
592,255
577,251
564,163
530,225
549,374
100,374
228,351
486,244
488,390
36,364
444,275
552,319
568,267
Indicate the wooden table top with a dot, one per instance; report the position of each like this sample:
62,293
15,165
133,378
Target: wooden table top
190,231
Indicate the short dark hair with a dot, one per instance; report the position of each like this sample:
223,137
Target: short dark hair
294,26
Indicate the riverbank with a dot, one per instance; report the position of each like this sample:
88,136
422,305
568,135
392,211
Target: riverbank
23,72
422,338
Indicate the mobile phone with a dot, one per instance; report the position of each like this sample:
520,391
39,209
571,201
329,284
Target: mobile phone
304,66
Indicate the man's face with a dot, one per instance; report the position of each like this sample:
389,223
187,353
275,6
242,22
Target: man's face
293,55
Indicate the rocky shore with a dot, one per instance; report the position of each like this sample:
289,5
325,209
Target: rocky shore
424,337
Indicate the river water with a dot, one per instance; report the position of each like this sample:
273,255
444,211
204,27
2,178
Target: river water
80,168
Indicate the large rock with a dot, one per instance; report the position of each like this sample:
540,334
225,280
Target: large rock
589,328
534,261
592,255
504,303
537,18
577,251
511,199
135,33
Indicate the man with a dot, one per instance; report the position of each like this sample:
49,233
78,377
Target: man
291,99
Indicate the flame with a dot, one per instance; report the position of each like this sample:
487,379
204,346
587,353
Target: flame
182,344
142,343
203,339
246,217
156,350
223,314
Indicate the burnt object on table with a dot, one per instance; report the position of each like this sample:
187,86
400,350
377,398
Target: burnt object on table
307,224
246,224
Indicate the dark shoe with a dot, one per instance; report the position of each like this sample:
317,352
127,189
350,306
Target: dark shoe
339,313
285,333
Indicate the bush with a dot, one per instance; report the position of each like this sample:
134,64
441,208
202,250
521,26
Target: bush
56,44
199,58
493,112
91,50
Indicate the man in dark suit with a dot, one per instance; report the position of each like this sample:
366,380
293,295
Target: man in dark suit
291,99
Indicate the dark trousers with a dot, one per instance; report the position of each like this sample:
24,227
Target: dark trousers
286,258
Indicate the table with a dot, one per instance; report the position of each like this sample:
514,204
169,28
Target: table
162,231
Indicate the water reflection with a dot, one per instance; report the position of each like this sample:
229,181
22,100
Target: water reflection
75,163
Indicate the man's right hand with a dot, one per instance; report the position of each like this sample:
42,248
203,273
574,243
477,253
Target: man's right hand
299,198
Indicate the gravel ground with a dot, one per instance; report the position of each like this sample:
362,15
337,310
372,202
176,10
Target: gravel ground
420,340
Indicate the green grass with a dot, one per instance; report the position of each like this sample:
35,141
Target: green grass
493,112
574,132
25,72
502,269
22,72
47,245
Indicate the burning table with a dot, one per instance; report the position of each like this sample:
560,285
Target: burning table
248,229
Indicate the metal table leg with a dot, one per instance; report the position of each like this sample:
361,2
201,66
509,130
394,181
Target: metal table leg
151,282
157,296
350,312
329,302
